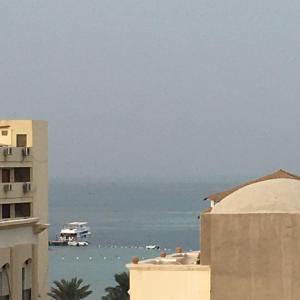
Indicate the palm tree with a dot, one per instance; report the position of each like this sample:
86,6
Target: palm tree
69,290
120,291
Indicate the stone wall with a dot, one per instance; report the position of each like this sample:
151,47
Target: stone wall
252,256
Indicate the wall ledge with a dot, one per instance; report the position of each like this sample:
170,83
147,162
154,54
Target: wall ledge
4,224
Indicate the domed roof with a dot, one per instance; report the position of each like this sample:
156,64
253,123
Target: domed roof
276,175
274,195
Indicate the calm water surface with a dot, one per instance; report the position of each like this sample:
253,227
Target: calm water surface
124,217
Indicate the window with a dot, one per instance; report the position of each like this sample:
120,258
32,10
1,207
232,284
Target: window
4,132
21,140
22,174
5,175
5,211
22,210
26,280
4,287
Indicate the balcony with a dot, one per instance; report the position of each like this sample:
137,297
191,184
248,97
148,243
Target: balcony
177,276
16,190
15,154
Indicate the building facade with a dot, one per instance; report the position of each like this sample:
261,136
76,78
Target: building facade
251,240
250,245
175,276
23,210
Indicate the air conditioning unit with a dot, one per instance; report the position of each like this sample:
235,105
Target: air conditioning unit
26,187
7,151
7,187
26,151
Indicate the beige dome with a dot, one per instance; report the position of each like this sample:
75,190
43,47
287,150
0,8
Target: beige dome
275,195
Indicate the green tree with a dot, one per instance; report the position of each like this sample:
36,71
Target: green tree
69,290
120,291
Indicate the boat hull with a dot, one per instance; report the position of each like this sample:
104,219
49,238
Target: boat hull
58,243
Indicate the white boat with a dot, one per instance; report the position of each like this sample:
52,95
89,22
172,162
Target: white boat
152,247
77,243
75,233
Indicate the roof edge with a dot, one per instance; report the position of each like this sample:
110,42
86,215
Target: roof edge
280,174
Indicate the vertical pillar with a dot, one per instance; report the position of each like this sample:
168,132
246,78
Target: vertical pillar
18,255
16,275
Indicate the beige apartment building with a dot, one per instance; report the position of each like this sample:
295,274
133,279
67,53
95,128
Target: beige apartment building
23,210
250,247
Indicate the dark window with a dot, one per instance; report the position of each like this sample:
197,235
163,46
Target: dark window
5,175
21,140
5,211
22,210
22,174
4,290
26,294
4,132
23,279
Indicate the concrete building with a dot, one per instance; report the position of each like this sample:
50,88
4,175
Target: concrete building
174,277
23,210
250,245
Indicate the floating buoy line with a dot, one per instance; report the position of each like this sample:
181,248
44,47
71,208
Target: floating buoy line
117,257
120,247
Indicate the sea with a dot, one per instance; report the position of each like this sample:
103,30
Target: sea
124,216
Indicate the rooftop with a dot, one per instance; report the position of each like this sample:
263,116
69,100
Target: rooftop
280,174
188,261
271,196
77,223
188,258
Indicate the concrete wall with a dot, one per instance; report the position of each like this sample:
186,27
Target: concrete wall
15,257
169,282
40,201
15,127
19,254
252,256
205,238
11,237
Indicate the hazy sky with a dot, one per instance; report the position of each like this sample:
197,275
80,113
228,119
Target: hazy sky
156,88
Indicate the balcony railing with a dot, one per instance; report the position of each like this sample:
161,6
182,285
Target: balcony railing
16,190
15,154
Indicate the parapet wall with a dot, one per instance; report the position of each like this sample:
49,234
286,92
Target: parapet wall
169,282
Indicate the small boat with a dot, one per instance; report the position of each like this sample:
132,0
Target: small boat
152,247
73,234
77,243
